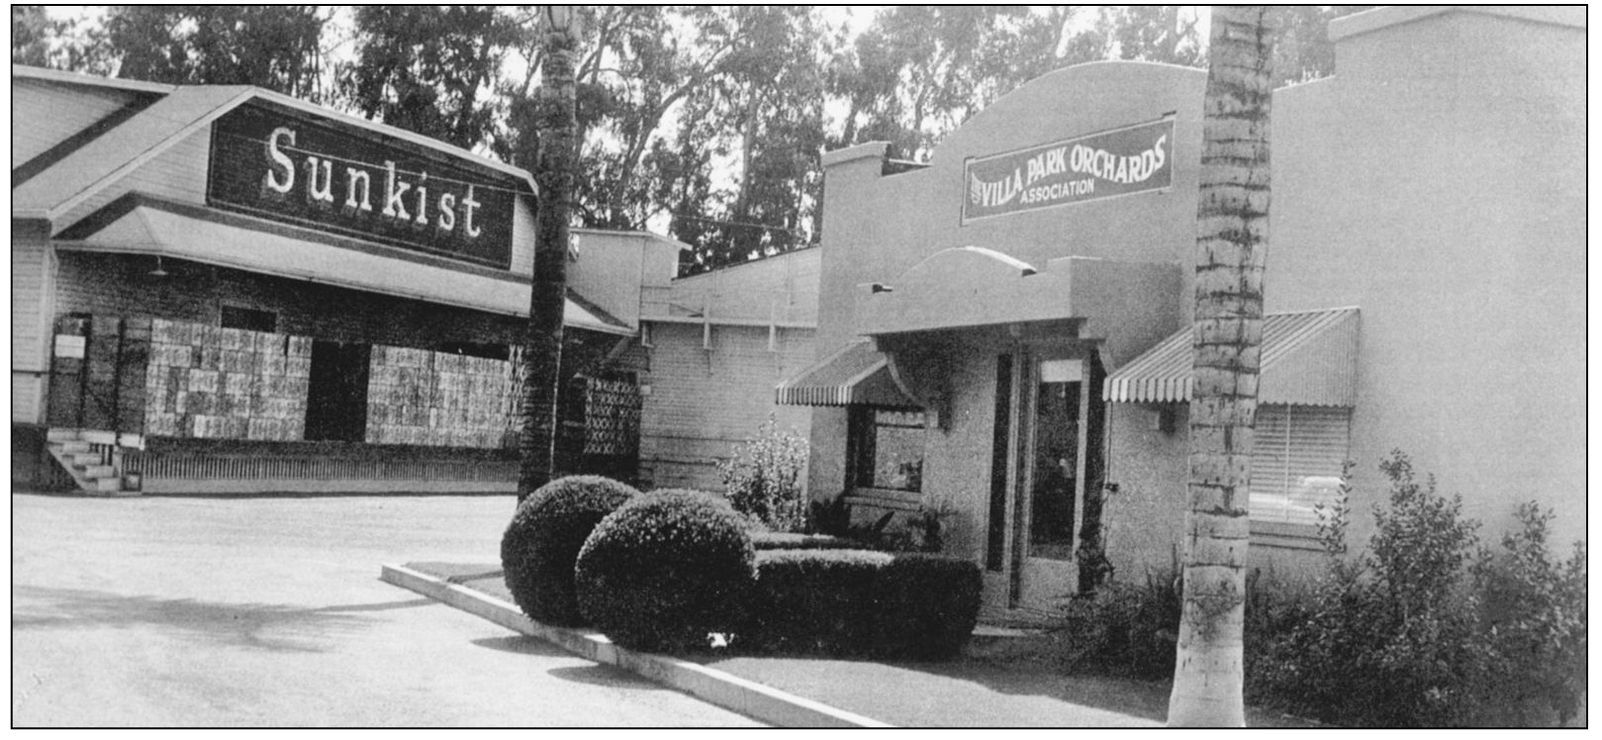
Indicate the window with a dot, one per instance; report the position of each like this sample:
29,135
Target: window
1296,463
249,319
488,350
887,448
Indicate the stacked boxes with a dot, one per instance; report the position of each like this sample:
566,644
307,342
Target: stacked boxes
208,382
419,397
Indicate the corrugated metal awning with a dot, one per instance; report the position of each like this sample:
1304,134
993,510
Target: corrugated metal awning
855,375
1309,358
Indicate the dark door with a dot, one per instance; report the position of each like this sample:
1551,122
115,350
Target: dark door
336,394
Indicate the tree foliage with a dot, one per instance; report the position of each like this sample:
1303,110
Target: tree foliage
431,69
271,46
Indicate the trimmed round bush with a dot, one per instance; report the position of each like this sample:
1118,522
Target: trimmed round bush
541,545
665,570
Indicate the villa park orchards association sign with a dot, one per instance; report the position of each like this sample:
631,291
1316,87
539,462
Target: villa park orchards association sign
1112,163
288,166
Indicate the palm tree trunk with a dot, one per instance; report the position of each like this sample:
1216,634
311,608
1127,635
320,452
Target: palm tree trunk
555,173
1231,241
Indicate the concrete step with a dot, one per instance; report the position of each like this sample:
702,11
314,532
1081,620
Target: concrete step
85,459
1009,644
100,471
71,446
108,484
60,435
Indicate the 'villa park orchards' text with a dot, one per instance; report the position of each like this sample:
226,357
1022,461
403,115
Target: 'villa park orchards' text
402,202
1076,159
1120,161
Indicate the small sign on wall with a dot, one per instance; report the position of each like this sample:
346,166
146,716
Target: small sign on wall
1133,159
70,347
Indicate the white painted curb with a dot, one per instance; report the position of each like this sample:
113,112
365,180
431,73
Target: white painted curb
752,699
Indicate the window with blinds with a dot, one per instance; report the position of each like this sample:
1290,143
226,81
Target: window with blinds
1296,461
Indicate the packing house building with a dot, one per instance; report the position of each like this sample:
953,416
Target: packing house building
1003,332
223,289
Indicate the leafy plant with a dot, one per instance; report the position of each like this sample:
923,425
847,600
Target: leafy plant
833,517
1534,614
1125,628
762,478
1389,636
1426,628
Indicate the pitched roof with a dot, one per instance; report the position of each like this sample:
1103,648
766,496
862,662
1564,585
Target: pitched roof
184,110
122,149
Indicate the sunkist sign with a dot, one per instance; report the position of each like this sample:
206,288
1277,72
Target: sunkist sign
289,167
1127,160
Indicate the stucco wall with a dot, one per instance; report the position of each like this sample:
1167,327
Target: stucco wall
876,227
1436,182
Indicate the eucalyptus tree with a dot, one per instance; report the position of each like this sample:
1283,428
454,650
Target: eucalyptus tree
917,72
433,69
278,47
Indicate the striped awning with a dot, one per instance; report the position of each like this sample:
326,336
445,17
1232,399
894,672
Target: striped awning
855,375
1309,358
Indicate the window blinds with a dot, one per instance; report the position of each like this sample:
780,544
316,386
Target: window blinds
1296,461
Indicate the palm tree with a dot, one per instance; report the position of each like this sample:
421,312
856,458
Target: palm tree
555,172
1231,240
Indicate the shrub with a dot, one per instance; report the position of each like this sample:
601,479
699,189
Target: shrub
860,602
1125,628
1390,638
762,478
541,545
665,570
796,541
1534,612
814,601
930,604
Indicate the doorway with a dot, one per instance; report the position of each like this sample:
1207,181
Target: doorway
1054,447
336,392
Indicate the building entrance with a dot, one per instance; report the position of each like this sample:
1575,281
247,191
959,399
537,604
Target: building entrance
336,394
1054,449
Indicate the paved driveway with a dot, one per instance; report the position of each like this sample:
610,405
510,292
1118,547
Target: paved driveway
269,612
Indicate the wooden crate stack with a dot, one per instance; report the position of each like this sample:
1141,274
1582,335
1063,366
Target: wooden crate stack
420,397
208,382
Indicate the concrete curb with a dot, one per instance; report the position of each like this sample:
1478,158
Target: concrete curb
752,699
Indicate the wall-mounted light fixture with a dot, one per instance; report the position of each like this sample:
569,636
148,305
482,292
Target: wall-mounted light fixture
158,272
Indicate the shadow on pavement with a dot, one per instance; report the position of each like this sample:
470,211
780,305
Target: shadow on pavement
522,645
604,675
271,627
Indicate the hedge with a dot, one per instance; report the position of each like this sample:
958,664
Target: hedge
797,541
665,570
541,545
861,602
